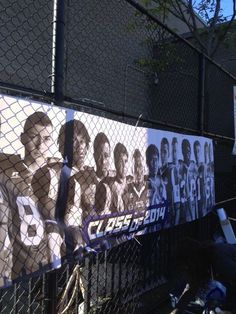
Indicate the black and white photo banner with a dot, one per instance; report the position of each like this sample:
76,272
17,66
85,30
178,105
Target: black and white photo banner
71,180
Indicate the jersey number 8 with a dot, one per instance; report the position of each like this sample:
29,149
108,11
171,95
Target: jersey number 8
30,220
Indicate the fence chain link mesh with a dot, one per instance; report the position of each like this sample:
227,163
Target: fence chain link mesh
26,43
121,64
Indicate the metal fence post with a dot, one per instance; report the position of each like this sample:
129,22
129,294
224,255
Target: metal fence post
57,89
57,84
201,92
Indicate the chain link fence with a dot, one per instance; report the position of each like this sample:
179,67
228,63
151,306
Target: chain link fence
117,62
26,49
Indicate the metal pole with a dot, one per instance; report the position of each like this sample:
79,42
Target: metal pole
202,82
57,89
58,51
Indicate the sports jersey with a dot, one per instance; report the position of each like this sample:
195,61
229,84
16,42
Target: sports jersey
201,193
5,244
45,185
175,183
188,191
88,181
59,198
10,163
27,229
184,209
166,179
192,190
175,194
138,199
102,199
211,170
156,195
209,186
118,195
33,245
156,190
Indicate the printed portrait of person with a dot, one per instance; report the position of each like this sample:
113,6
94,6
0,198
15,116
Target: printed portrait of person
137,188
191,178
156,188
5,243
73,144
102,156
183,175
118,184
200,183
83,176
31,239
59,186
175,181
165,169
211,166
165,153
209,179
36,140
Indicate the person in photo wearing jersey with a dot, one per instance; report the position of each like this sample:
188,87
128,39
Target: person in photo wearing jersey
115,187
6,251
183,175
59,186
137,188
83,179
54,176
112,194
5,244
28,234
165,171
191,180
36,139
156,188
156,192
211,170
102,156
175,181
208,178
30,237
201,196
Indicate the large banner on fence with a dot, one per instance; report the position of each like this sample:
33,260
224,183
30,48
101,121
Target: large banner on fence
70,180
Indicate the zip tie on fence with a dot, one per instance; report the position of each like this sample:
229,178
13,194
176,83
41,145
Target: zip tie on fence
74,278
137,240
231,218
139,117
226,201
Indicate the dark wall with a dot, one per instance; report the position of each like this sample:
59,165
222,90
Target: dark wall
26,43
106,41
101,47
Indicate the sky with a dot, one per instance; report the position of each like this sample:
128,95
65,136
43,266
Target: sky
227,7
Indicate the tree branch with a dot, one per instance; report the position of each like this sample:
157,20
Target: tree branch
208,38
227,28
